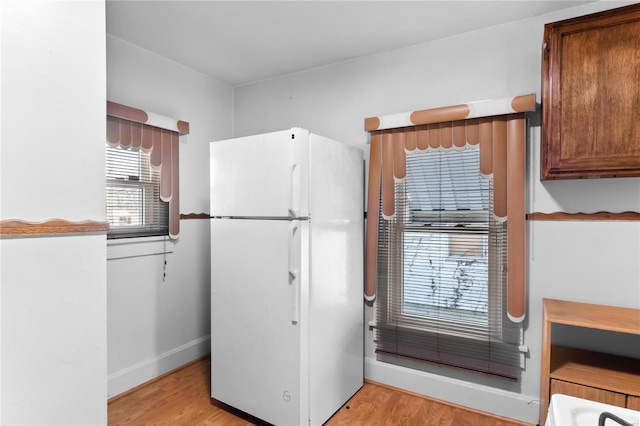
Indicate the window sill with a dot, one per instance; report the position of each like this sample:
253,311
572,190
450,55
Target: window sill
135,247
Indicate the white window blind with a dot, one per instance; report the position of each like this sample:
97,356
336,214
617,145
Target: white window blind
134,207
442,269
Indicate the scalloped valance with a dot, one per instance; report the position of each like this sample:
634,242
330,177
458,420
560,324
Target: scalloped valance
132,128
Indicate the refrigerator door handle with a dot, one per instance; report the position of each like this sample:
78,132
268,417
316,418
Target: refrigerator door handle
294,273
294,191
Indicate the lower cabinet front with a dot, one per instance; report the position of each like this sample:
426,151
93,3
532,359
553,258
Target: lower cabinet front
633,402
586,392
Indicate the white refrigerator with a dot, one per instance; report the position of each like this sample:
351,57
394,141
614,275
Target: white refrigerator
286,275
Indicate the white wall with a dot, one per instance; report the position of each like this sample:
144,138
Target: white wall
53,306
156,325
593,262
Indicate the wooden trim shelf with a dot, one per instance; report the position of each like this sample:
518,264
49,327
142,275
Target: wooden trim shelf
14,228
194,216
611,318
560,216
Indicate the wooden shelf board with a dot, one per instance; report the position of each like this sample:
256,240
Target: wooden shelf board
594,369
600,317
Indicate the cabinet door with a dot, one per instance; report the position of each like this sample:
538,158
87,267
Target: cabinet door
591,96
633,402
586,392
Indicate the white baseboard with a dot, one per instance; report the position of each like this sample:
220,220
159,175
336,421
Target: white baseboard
137,374
475,396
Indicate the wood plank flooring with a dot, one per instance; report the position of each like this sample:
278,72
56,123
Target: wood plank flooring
181,398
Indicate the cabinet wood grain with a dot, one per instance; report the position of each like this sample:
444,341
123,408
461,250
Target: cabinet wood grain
591,96
633,402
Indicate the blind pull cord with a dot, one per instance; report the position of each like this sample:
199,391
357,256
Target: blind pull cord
164,266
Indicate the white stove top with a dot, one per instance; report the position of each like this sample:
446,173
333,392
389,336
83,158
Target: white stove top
567,410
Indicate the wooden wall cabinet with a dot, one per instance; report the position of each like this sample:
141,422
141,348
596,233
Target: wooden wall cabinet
610,379
591,96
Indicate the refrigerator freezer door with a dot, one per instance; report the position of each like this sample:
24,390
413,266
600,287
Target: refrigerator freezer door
336,181
260,176
255,318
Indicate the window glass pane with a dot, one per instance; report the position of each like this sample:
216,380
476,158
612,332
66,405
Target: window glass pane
445,245
439,284
126,205
123,164
133,200
445,181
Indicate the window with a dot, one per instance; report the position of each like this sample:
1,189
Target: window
143,180
134,207
445,251
444,238
441,283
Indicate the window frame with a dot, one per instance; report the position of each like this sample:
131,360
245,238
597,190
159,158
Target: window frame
498,336
441,220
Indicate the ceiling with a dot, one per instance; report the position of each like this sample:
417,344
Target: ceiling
240,42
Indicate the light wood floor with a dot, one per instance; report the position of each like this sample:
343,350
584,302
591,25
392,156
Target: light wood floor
182,398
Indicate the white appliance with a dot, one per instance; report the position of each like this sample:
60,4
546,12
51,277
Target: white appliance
286,275
565,410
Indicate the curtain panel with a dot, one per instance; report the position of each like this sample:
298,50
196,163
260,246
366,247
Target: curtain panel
132,128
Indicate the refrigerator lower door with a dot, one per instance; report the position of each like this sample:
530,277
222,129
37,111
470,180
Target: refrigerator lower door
255,318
